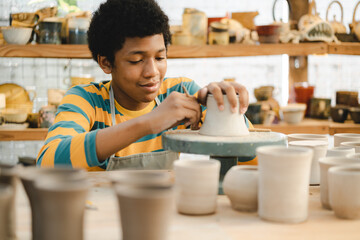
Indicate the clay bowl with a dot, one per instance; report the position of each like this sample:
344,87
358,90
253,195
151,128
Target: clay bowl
17,35
263,93
293,113
339,113
355,114
13,115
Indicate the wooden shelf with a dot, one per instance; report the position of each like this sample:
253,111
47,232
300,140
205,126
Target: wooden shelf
344,48
206,51
306,126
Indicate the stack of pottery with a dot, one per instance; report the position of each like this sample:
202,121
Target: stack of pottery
57,199
145,201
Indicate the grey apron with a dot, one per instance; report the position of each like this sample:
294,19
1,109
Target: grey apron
151,160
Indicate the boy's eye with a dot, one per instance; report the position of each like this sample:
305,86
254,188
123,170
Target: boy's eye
135,62
160,58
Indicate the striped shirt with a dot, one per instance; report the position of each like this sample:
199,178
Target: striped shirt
84,110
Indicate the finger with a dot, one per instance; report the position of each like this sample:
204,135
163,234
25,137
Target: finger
231,95
243,97
216,91
202,95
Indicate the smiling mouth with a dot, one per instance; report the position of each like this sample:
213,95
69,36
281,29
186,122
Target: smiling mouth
150,87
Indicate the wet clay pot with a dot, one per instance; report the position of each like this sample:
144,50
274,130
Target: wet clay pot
223,123
319,148
8,175
284,175
241,186
61,207
28,175
325,164
344,191
145,203
6,193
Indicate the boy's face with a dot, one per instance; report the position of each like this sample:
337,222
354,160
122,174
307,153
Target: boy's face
138,71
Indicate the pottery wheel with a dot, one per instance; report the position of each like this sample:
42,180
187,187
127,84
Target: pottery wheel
189,141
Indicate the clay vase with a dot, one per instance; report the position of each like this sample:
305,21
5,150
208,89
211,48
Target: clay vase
344,191
345,137
196,186
354,145
6,194
325,164
319,148
306,136
284,175
145,202
339,151
223,123
241,186
61,207
28,176
8,175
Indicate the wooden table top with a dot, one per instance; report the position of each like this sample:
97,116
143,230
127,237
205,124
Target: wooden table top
225,224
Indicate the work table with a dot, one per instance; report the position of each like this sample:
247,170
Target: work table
102,222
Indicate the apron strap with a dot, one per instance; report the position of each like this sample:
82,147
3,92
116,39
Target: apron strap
112,107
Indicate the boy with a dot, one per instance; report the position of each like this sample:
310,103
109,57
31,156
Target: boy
127,115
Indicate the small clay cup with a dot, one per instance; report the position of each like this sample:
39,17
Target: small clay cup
339,113
355,114
344,191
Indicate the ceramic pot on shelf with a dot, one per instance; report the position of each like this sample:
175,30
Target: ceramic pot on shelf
241,186
284,198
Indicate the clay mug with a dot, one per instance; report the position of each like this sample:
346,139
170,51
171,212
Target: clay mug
354,145
319,148
145,201
61,206
223,123
344,191
284,198
345,137
6,193
196,186
8,176
339,151
306,136
241,187
28,175
325,164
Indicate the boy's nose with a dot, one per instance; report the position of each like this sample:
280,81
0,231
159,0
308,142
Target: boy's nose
151,68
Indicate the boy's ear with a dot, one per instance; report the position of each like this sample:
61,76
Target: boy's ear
104,64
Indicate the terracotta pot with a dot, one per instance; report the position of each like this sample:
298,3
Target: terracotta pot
196,186
223,123
284,198
8,175
345,137
344,191
341,151
28,177
319,148
241,186
6,194
145,200
325,164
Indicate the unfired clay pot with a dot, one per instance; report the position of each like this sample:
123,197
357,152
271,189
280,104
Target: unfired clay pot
145,202
223,123
61,207
196,186
284,175
241,186
354,145
6,193
325,164
344,191
339,151
306,136
345,137
8,175
320,149
28,175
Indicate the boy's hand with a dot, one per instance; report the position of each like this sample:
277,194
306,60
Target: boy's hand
177,108
231,89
